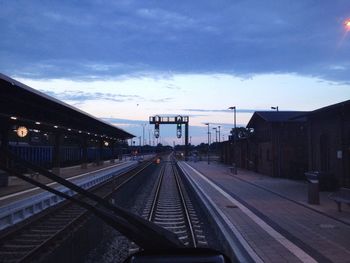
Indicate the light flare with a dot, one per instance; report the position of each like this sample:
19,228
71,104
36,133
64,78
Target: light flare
347,24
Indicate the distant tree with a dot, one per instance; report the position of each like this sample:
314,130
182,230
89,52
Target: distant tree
242,132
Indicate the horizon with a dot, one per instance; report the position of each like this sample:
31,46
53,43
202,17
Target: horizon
124,62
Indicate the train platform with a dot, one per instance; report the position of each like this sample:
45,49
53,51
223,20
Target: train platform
21,200
271,216
19,189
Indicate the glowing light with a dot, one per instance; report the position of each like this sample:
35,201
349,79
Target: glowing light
347,24
22,131
13,118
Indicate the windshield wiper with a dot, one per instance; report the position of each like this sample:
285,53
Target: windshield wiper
144,233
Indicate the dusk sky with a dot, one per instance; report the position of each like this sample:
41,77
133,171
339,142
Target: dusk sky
126,60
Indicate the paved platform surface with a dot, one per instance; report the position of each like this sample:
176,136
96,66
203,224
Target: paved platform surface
273,217
19,189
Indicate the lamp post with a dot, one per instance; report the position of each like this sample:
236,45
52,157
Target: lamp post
219,132
234,136
234,115
143,133
275,108
216,134
208,142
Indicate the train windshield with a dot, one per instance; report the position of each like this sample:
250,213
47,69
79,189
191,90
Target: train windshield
162,128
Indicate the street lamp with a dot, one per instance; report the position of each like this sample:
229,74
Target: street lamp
275,108
208,142
234,115
219,132
216,134
234,136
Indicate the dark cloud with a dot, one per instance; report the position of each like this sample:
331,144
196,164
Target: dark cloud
100,38
81,96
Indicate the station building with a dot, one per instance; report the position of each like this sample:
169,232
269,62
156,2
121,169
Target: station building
290,143
329,141
279,143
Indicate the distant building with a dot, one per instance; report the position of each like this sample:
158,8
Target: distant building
329,141
278,146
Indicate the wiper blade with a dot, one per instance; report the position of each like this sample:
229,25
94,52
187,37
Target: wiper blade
144,233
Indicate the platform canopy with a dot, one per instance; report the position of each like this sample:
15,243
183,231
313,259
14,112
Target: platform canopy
22,104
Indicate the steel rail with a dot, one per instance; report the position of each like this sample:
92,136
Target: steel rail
68,224
184,206
170,218
156,196
139,227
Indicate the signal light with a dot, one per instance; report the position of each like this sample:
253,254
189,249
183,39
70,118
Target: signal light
178,130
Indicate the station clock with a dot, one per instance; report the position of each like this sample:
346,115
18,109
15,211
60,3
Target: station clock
22,131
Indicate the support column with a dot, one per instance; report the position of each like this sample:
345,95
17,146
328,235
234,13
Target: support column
84,156
112,146
5,127
99,159
186,141
120,150
56,158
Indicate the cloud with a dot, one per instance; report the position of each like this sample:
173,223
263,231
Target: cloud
226,110
81,96
124,121
100,38
167,19
162,100
172,87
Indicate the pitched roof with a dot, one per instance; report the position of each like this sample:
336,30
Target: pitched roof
277,116
331,107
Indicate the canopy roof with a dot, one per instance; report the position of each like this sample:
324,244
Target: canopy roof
22,103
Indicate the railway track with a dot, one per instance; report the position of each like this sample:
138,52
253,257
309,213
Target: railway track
32,239
170,207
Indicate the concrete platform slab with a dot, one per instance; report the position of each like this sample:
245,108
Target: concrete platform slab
273,216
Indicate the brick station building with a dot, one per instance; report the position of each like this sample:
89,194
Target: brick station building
278,146
289,143
329,141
